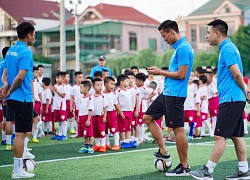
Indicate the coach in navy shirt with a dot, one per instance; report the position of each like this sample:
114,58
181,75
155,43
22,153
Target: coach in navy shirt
171,102
233,93
17,89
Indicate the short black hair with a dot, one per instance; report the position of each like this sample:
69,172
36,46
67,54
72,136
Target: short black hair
134,67
167,25
46,81
153,85
96,80
141,76
98,74
5,50
40,66
35,68
78,73
108,79
121,77
219,25
199,70
59,73
129,73
89,78
126,70
24,29
86,84
63,73
203,79
105,70
196,82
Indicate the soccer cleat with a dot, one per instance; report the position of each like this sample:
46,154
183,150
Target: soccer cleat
96,148
51,133
133,144
3,143
9,148
125,145
102,149
90,150
54,137
72,131
189,138
115,148
60,138
107,146
35,140
13,136
83,150
240,175
74,136
64,137
21,174
41,135
28,155
165,157
202,174
179,171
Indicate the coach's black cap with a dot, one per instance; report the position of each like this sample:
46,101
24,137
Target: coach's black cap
102,58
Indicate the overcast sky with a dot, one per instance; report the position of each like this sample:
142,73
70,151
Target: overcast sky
157,9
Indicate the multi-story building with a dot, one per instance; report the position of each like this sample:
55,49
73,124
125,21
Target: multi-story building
234,12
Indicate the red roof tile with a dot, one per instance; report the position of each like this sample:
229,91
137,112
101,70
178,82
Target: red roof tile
121,13
41,9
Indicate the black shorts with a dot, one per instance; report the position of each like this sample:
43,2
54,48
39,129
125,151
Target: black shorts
23,115
35,114
9,114
229,120
170,106
4,110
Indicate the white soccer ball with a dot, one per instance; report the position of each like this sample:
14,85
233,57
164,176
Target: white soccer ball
162,165
29,165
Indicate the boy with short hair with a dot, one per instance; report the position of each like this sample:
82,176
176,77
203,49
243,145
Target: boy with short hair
75,95
99,115
46,105
59,106
85,123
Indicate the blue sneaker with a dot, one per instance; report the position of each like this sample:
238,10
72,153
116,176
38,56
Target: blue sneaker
133,144
54,137
3,143
60,138
90,150
64,137
125,145
13,136
83,150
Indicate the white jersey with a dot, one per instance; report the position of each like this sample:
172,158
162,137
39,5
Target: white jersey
144,93
68,89
112,100
124,98
203,102
76,94
46,94
85,104
211,91
40,80
59,103
100,102
189,103
37,90
134,92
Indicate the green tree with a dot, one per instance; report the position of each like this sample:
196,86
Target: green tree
241,39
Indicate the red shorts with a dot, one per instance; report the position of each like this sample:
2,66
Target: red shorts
159,122
99,127
47,117
134,122
244,115
203,116
189,115
111,122
1,115
83,130
248,117
124,125
213,106
140,118
69,114
37,107
198,121
60,115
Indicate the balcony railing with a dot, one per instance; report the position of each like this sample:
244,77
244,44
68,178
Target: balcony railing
7,28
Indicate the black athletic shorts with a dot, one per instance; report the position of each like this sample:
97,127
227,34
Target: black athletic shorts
35,114
23,115
9,114
170,106
229,120
4,110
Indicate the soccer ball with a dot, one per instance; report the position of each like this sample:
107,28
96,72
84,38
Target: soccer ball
29,165
162,165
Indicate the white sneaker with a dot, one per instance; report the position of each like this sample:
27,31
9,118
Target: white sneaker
41,135
21,174
28,155
74,136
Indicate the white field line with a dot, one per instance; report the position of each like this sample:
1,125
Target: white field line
117,153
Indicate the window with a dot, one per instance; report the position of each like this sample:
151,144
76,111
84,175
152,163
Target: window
193,35
55,38
70,50
55,50
203,33
132,41
228,10
152,44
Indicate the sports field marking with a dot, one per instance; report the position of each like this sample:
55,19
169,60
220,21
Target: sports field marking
117,153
